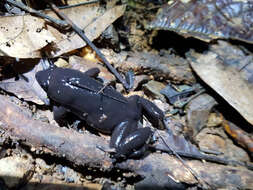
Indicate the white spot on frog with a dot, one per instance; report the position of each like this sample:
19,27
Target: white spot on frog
73,81
71,86
102,118
48,80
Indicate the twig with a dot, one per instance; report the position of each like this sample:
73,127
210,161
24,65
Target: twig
97,92
78,4
102,89
80,32
208,158
60,23
182,104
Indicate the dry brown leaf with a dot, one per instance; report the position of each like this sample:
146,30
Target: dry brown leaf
24,36
26,87
92,30
228,71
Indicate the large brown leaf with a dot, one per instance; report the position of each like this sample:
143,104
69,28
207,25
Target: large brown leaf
229,72
24,36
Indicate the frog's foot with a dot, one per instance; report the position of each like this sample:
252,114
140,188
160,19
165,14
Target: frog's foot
139,153
130,79
59,112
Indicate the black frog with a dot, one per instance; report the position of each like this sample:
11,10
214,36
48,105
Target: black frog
103,108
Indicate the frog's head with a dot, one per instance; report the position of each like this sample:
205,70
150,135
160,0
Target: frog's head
43,78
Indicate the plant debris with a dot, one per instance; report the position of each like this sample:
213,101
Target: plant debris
206,143
239,135
25,36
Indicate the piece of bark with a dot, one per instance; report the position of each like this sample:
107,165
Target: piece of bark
214,120
167,66
164,66
81,149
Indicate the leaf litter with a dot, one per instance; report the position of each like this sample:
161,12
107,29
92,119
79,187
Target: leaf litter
162,67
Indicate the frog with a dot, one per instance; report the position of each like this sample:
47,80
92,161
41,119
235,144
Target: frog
103,108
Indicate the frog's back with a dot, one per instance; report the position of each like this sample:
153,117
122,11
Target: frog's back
62,90
85,100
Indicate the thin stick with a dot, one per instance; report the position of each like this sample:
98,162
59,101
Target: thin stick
209,158
60,23
78,4
80,32
97,92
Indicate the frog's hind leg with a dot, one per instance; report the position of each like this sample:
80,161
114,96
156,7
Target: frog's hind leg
129,140
120,132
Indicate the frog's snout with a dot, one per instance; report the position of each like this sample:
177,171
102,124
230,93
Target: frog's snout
43,78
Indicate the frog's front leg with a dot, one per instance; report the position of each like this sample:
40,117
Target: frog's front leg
59,112
129,140
93,72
